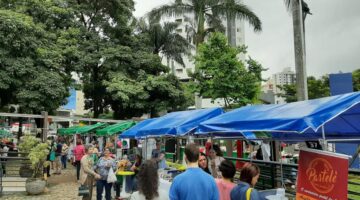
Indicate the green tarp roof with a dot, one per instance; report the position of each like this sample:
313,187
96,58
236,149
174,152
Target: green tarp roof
115,128
80,129
5,134
66,131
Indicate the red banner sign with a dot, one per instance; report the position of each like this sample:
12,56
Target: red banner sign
322,175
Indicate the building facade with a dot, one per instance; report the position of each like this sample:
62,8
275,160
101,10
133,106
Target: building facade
270,90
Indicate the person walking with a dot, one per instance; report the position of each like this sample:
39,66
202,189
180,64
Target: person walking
225,184
248,178
64,155
194,183
87,174
79,152
58,152
103,166
4,154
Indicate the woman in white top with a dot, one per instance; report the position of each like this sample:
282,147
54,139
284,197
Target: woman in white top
216,158
148,183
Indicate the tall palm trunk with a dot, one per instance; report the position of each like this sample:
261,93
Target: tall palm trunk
299,49
199,38
231,30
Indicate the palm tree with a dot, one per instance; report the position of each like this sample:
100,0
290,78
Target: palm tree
208,12
299,10
165,41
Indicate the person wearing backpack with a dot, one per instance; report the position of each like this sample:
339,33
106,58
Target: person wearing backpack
245,189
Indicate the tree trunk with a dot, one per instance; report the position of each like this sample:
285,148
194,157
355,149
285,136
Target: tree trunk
231,30
199,38
299,49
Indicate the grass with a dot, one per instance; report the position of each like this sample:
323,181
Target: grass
354,187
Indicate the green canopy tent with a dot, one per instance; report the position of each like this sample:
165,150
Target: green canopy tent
115,128
5,134
86,129
80,129
67,131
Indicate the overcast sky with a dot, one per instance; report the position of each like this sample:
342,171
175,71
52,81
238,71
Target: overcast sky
332,35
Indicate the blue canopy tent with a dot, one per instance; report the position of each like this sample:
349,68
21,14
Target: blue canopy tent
132,133
327,118
178,123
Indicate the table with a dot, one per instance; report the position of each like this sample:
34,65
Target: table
123,193
164,185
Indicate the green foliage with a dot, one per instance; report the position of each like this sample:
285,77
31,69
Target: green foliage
164,39
43,42
37,156
289,92
27,143
209,12
219,73
37,153
36,53
317,88
356,79
146,93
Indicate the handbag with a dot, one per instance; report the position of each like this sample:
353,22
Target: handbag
52,156
111,176
84,190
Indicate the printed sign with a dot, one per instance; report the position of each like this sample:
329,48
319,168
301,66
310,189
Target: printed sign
322,175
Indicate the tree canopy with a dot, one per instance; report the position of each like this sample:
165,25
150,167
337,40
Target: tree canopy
44,42
220,74
33,54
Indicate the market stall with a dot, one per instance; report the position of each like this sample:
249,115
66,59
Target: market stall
175,124
327,119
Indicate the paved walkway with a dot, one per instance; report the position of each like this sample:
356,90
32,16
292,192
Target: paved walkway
64,187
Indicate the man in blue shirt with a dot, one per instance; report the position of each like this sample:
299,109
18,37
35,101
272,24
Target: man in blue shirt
194,183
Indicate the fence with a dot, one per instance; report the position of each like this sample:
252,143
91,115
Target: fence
14,170
276,174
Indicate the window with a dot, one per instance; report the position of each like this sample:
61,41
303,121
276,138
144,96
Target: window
179,30
178,20
179,71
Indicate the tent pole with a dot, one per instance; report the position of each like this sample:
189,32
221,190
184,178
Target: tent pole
281,167
324,139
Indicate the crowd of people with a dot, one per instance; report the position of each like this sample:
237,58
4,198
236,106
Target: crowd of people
208,174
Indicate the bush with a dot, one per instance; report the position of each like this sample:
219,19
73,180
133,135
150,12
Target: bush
38,152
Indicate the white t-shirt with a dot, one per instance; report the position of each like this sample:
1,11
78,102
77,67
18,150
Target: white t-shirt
218,161
163,195
5,151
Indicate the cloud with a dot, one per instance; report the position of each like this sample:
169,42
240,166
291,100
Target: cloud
331,36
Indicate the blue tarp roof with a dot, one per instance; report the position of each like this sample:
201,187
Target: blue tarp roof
133,131
178,123
339,114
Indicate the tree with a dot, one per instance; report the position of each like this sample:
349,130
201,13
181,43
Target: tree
220,74
299,10
356,79
164,40
317,88
35,46
104,29
207,12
